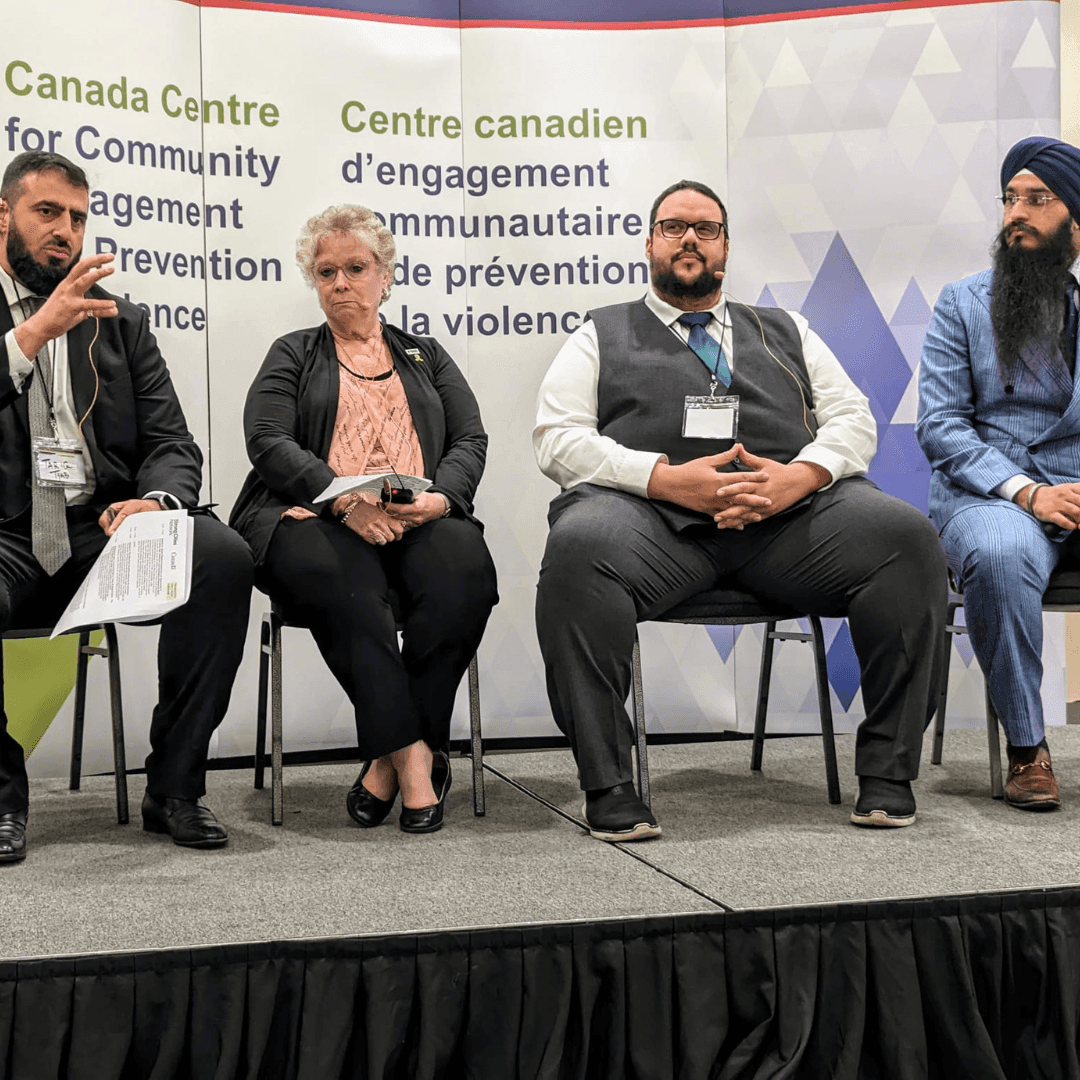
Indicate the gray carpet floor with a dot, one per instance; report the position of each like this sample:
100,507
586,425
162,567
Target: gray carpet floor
732,839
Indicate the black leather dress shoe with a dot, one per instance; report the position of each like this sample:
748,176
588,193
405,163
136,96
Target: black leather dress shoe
187,821
364,808
429,818
13,836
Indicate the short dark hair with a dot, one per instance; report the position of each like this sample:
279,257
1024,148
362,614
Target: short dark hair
691,185
36,161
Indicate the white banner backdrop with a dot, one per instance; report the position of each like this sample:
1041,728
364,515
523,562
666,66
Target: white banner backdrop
857,155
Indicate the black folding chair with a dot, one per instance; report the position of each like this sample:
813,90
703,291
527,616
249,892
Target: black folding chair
111,651
270,669
734,607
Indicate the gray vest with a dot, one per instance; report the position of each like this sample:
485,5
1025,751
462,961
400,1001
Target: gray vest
646,372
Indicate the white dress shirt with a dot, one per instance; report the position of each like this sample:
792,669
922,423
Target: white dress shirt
19,367
1008,489
570,450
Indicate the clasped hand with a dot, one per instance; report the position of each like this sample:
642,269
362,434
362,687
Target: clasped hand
736,499
379,524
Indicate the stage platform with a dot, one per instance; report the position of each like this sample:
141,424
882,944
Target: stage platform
762,932
733,840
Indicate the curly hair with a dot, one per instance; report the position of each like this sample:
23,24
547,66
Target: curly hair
349,220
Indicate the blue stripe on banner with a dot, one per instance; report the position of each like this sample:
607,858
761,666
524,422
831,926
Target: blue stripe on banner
594,11
587,14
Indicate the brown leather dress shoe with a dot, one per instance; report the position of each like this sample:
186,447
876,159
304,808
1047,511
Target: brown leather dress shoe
1031,784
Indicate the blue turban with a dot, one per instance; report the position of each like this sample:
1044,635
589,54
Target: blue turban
1055,163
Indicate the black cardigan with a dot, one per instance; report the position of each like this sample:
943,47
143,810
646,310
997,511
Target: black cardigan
289,423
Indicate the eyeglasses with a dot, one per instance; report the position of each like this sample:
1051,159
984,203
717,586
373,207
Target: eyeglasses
1036,202
673,228
327,273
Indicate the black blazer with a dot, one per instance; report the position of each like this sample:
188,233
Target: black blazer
136,432
289,423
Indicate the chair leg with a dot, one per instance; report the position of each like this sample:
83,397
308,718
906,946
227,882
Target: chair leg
276,782
116,701
764,679
997,789
260,712
640,744
476,738
821,668
81,662
943,690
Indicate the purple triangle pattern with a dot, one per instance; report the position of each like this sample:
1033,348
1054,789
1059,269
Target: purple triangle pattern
723,639
841,308
843,667
899,467
913,310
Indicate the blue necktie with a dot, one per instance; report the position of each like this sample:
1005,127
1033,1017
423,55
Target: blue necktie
706,347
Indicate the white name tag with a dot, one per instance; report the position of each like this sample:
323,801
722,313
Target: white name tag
711,417
58,463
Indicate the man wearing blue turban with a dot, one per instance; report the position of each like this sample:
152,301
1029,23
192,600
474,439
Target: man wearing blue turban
999,421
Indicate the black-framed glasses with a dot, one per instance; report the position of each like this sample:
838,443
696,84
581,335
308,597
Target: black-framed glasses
327,272
673,228
1036,202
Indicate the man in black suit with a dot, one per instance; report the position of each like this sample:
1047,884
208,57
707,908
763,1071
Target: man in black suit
81,377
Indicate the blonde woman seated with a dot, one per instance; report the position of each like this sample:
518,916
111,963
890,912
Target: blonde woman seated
353,396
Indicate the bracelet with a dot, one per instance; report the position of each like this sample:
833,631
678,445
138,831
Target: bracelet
350,506
1031,496
352,510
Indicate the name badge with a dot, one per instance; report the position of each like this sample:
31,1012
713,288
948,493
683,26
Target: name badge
711,417
58,463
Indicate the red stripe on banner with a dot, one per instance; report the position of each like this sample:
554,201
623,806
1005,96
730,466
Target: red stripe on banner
541,24
333,13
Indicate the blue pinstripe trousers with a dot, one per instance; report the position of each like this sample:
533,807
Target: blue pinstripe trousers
1003,560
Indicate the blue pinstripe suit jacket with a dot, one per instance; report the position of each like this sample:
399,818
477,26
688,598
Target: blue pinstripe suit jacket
972,432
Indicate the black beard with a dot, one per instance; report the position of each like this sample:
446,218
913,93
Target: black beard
40,280
1027,298
667,282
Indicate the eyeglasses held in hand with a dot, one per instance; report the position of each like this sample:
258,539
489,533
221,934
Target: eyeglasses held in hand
673,228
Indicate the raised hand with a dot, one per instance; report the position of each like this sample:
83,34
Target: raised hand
67,306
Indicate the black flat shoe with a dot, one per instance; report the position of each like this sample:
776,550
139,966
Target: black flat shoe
13,836
364,808
187,821
429,818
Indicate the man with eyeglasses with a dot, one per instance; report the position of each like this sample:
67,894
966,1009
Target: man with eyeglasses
999,420
698,441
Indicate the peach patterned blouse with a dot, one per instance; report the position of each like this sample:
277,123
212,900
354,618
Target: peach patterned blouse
373,431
